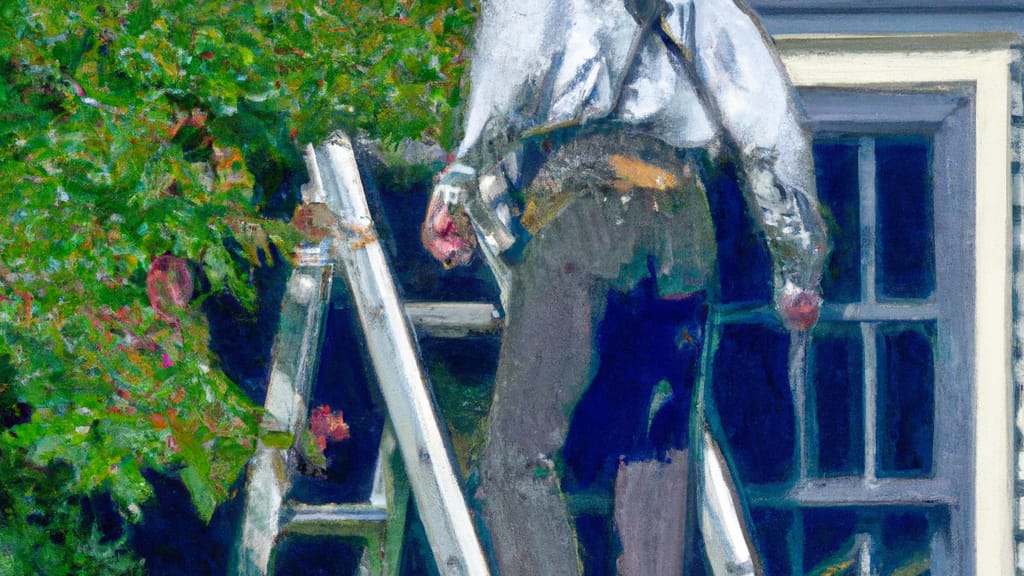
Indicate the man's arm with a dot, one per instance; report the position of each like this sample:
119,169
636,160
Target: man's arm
514,48
538,65
743,84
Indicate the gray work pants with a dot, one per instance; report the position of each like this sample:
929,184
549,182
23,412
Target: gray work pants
618,218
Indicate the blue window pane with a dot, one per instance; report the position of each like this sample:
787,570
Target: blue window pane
836,165
904,547
744,265
772,538
640,396
752,398
906,253
595,534
838,368
906,402
828,537
899,539
771,533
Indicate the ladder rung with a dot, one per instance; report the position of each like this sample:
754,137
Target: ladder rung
333,513
333,519
454,319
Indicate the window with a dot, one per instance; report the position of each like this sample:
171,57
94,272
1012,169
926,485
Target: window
894,452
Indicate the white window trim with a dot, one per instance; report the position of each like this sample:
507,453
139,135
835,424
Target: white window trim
982,60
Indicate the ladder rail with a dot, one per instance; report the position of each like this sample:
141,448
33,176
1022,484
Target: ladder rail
292,372
395,357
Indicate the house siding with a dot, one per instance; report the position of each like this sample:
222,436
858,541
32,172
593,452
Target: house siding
1017,167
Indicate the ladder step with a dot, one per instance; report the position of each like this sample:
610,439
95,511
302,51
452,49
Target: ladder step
296,514
454,319
333,520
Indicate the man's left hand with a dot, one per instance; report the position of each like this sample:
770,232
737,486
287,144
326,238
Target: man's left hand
799,309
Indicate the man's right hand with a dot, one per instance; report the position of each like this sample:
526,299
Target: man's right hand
447,231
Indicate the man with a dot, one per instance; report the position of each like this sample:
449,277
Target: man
589,124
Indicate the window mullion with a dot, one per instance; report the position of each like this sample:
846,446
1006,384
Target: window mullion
868,216
796,544
868,332
868,212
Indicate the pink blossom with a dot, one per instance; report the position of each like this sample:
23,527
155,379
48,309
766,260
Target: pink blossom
325,424
168,285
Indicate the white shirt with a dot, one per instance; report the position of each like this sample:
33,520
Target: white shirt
692,73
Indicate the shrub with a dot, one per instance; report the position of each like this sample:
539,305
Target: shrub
143,145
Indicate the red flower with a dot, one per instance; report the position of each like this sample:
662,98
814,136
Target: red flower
168,284
325,425
178,395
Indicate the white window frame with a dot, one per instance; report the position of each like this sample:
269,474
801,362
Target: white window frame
894,62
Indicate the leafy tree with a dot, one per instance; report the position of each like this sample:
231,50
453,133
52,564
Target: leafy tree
143,145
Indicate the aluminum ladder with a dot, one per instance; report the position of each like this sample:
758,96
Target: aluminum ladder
413,453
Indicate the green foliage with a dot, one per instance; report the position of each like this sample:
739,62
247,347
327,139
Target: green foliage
465,401
46,532
312,454
130,130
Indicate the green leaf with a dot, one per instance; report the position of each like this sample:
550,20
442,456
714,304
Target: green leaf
217,266
45,449
203,496
278,439
128,486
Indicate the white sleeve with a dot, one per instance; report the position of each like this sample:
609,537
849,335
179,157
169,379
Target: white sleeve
541,64
513,50
748,89
746,81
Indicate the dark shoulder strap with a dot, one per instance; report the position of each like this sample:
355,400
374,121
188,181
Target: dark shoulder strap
645,11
